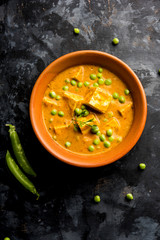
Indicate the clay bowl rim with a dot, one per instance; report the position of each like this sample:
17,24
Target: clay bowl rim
79,160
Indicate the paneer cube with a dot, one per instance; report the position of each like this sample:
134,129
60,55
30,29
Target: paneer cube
59,128
113,123
48,101
125,109
78,74
73,100
98,99
83,122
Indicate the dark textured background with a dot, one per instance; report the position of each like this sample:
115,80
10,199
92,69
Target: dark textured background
33,33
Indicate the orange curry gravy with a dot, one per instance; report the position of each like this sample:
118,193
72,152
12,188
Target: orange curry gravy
103,110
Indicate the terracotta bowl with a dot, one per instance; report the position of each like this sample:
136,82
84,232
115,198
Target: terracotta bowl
116,66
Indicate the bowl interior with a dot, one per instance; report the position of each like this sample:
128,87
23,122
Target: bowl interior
114,65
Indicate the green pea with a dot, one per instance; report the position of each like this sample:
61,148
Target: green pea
86,84
100,81
86,113
99,75
80,84
119,139
7,238
98,133
78,111
109,132
93,76
83,107
96,141
67,144
91,148
73,82
115,95
126,91
54,112
111,139
107,144
102,137
76,30
94,129
95,84
108,82
65,88
159,71
51,119
58,97
100,70
115,41
122,99
60,113
52,94
129,196
142,166
110,114
67,80
97,198
105,120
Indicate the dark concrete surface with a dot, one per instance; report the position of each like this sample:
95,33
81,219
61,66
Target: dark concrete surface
33,33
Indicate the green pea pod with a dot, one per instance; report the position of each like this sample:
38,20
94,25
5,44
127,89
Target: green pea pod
19,175
19,152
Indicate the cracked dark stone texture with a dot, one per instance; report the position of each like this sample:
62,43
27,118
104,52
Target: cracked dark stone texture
33,34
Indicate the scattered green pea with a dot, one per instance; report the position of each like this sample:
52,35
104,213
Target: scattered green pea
95,84
102,137
99,75
51,120
108,81
96,141
98,133
86,113
126,91
93,76
115,95
80,84
73,82
115,41
60,113
76,30
7,238
105,120
119,139
58,97
94,129
129,196
122,99
78,111
83,107
52,94
109,132
100,70
65,88
67,80
91,148
67,144
97,198
100,81
54,112
110,114
142,166
107,144
86,84
111,138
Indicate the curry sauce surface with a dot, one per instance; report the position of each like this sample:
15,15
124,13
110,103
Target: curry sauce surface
118,116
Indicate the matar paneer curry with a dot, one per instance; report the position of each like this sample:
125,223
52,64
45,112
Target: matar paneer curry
87,109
